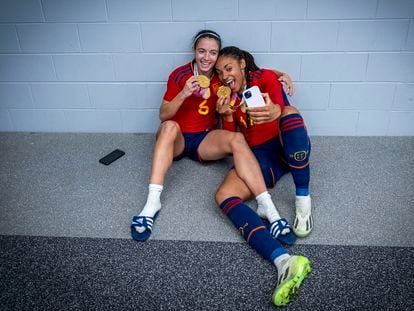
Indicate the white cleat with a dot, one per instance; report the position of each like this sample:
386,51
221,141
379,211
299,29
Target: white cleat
303,224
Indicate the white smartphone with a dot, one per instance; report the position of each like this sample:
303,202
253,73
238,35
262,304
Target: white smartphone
253,97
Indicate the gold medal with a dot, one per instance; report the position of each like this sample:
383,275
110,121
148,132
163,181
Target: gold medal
204,81
223,91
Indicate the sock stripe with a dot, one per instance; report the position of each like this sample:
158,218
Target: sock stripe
293,166
298,167
295,118
286,125
291,126
253,231
277,252
291,117
291,123
291,120
230,204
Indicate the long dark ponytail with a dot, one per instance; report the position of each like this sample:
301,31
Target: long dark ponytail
239,54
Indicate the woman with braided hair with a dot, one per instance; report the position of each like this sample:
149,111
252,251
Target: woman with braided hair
280,145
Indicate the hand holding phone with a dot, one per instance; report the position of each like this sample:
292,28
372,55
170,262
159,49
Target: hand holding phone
253,97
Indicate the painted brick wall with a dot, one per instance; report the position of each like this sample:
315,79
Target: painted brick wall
101,65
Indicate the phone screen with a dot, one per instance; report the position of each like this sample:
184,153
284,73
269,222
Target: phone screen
253,97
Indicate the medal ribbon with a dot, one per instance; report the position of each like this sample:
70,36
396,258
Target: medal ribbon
242,106
196,69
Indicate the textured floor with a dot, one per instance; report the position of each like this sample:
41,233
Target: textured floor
114,274
53,185
65,243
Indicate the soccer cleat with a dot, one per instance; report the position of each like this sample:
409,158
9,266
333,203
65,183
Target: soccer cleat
303,224
294,271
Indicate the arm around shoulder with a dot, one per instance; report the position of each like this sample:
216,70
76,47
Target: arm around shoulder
286,80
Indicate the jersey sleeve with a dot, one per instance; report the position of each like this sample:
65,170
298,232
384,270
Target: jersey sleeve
173,88
273,86
228,125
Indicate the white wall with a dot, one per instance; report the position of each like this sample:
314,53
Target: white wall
101,65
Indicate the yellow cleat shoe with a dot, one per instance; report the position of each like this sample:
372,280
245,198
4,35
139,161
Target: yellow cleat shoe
295,270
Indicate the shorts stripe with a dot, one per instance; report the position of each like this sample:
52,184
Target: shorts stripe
273,177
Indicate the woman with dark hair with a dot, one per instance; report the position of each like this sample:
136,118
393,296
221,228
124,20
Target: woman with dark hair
280,145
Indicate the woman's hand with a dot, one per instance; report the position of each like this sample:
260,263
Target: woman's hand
265,114
191,85
287,84
223,108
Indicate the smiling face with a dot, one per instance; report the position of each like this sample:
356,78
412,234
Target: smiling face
231,72
206,53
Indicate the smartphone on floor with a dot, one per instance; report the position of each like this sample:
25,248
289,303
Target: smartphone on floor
111,157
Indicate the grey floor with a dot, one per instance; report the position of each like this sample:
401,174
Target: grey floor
64,222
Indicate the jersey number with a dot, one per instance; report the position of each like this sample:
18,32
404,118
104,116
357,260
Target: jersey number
203,108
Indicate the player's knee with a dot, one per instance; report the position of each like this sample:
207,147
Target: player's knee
289,110
168,129
238,141
219,196
222,194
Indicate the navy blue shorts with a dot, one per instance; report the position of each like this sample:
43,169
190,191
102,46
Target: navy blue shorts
192,141
271,160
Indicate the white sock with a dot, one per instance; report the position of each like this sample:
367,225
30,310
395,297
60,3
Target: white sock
266,208
280,261
153,204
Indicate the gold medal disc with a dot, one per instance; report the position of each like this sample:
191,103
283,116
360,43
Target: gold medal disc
223,91
204,81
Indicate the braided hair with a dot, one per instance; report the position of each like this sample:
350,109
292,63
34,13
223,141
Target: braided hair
238,54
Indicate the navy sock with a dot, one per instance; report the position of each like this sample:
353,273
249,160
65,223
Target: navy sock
252,228
297,148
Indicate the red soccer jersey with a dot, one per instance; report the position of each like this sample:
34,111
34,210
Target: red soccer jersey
196,114
256,134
